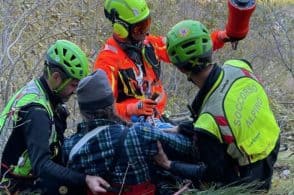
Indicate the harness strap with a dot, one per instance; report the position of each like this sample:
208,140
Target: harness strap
84,140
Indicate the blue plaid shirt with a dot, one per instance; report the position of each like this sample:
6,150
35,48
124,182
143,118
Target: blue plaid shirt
96,156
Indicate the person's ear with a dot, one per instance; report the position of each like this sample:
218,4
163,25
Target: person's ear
56,79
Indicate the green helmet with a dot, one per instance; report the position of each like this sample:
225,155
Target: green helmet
130,11
189,45
69,57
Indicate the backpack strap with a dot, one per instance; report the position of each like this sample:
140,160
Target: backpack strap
84,140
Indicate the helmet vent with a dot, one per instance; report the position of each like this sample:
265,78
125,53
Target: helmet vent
67,64
173,53
193,58
79,65
72,57
188,44
204,30
204,40
64,51
56,51
191,51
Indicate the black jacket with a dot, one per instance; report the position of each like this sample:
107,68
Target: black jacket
32,133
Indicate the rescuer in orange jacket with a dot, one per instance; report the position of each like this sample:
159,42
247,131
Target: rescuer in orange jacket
131,59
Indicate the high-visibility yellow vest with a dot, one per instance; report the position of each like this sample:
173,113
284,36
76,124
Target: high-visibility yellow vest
236,110
32,92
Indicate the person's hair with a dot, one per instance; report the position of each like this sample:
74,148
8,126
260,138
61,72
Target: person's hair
52,70
103,113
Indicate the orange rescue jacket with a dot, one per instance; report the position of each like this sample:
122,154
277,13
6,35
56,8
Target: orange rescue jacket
121,71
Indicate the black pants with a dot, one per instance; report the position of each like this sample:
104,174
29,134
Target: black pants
260,173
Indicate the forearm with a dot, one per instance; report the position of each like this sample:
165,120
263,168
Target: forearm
159,45
56,172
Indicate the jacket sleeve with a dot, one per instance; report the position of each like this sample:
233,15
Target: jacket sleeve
109,62
121,108
188,171
220,167
217,167
159,44
37,128
218,39
186,128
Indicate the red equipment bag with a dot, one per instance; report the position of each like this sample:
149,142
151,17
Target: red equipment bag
240,12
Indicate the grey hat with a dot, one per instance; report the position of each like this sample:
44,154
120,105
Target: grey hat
94,92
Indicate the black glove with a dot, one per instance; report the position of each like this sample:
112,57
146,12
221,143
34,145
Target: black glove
188,171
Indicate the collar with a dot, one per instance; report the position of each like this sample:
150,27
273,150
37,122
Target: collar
53,99
210,81
85,127
130,46
133,51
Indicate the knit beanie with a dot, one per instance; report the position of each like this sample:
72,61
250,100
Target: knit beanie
94,92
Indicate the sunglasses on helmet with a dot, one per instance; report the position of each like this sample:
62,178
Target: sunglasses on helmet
141,28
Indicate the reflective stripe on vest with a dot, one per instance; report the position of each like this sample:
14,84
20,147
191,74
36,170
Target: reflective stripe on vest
109,47
30,93
218,105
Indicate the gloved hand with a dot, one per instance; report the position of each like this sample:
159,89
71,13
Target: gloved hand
143,107
219,38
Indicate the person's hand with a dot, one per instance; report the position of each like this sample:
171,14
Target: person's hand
220,37
96,184
174,129
143,107
161,158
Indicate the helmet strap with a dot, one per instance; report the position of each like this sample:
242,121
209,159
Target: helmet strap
48,72
62,86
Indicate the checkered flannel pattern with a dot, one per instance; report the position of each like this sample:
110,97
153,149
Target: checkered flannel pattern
96,156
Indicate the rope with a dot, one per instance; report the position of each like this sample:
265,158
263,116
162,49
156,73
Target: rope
124,179
4,176
183,189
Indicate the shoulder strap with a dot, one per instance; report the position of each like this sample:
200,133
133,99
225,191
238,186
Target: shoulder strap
84,140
